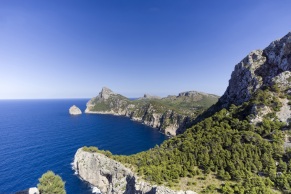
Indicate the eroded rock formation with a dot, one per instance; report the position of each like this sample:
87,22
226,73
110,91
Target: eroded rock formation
112,177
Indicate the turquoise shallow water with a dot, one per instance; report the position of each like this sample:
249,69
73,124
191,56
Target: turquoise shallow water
40,135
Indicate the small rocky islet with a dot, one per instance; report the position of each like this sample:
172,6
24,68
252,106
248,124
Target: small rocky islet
74,110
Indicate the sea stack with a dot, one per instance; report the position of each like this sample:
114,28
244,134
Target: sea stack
74,110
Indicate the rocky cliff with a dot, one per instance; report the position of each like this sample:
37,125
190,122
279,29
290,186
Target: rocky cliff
171,115
260,68
112,177
265,70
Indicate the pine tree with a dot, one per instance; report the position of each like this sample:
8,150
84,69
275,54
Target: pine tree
50,183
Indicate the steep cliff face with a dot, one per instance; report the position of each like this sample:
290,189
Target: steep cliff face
112,177
171,115
261,70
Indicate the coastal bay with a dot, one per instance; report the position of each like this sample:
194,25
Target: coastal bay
40,135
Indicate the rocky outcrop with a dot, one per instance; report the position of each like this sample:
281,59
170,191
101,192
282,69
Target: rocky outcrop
32,190
74,110
259,113
112,177
106,93
261,68
168,122
284,114
165,114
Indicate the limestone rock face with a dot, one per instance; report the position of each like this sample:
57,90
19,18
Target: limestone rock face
74,110
284,114
156,112
112,177
105,93
260,68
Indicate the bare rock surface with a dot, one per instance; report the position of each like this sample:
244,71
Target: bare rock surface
112,177
74,110
284,114
260,68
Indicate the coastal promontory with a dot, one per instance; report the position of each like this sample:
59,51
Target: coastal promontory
112,177
171,114
74,110
242,144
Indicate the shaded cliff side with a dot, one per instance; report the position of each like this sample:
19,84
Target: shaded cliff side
171,115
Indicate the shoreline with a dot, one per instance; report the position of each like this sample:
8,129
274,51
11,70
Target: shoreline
139,120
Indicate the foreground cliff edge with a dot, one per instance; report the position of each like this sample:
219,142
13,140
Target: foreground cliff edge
171,115
111,176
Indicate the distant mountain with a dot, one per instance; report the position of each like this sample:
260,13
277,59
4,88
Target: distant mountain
171,114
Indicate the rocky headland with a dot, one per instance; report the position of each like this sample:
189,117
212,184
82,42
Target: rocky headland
74,110
112,177
241,143
171,115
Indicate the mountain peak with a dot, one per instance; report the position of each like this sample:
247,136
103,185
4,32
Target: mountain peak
105,93
258,69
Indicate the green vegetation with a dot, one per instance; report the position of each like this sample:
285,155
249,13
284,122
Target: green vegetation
222,154
113,102
185,105
173,110
50,183
268,97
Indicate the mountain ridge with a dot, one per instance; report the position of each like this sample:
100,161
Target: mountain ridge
171,114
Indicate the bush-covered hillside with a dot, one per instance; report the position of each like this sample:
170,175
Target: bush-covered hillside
222,154
233,149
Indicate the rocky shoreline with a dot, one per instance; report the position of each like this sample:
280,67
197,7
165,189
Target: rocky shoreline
155,121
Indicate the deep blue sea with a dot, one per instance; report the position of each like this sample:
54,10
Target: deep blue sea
41,135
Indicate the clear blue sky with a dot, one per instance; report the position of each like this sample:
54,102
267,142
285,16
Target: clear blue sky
70,49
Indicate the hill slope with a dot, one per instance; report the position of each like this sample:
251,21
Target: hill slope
171,115
240,147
